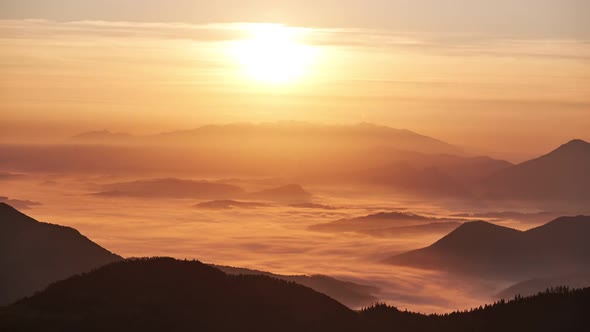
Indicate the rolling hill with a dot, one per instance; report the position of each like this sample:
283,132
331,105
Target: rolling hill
163,294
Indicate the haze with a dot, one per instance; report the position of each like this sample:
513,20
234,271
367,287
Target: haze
307,137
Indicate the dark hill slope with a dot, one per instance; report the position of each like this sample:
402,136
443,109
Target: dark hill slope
34,254
163,294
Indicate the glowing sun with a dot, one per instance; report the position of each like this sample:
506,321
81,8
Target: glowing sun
273,54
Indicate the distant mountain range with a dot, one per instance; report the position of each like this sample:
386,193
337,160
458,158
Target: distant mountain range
163,294
34,254
486,250
281,132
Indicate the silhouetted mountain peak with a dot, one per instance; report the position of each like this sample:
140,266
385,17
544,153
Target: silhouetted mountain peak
480,228
575,146
476,234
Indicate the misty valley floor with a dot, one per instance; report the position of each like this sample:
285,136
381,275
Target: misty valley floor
275,238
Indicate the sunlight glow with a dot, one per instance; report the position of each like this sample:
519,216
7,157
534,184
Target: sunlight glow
274,54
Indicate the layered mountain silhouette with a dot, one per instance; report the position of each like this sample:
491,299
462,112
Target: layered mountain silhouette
163,294
486,250
34,254
350,294
381,221
562,174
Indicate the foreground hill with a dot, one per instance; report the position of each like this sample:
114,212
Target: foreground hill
487,250
562,174
34,254
163,294
169,295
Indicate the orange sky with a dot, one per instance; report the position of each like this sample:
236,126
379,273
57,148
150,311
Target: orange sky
515,93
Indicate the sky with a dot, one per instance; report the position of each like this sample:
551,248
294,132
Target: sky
509,77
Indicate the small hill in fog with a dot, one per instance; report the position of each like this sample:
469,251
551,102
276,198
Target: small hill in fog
34,254
291,193
379,221
171,188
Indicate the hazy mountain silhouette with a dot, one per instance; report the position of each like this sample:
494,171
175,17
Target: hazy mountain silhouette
21,204
291,193
487,250
284,132
465,169
533,286
430,229
172,188
559,175
379,221
163,294
228,205
34,254
351,294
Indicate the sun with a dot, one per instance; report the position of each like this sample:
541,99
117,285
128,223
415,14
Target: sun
274,54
